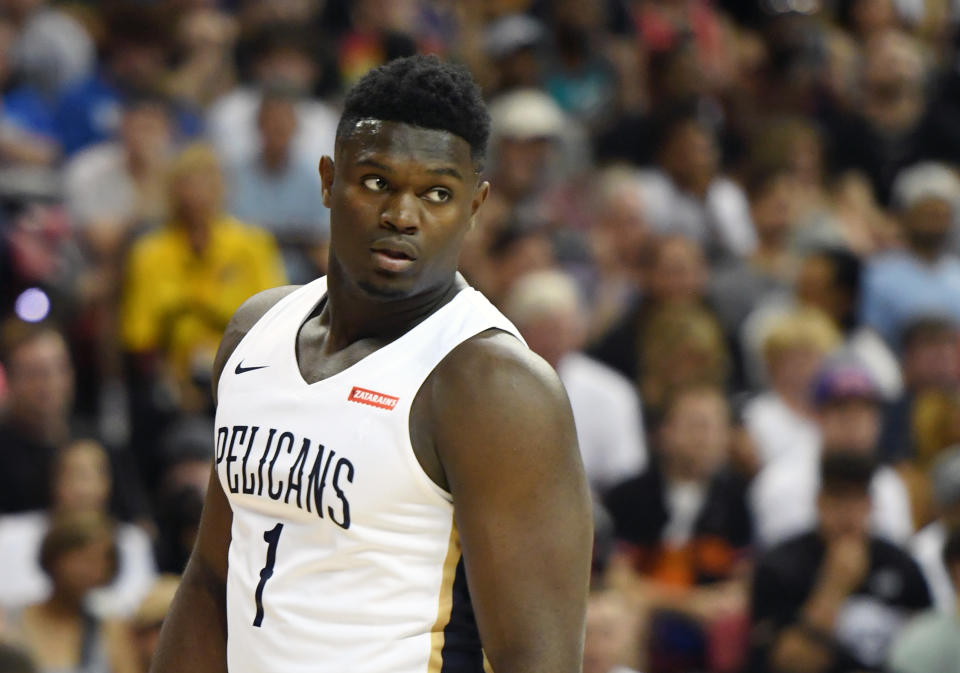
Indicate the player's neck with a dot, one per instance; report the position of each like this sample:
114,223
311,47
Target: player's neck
351,315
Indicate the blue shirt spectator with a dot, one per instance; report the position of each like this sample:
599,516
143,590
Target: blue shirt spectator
900,287
924,278
287,202
279,191
89,112
28,111
134,64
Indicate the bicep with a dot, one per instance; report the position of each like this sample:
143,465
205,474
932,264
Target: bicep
522,509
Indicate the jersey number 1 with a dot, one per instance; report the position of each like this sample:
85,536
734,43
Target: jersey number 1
271,537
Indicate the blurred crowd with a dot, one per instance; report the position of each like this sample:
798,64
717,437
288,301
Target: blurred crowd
732,226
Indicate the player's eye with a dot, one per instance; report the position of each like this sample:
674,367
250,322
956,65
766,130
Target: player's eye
438,195
375,183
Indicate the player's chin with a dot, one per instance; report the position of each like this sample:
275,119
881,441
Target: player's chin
387,287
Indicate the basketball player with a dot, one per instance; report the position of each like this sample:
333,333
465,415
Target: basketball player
397,485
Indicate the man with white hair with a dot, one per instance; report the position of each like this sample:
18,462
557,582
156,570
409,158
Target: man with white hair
546,308
924,277
527,130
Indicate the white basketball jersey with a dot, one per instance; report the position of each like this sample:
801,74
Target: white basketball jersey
344,556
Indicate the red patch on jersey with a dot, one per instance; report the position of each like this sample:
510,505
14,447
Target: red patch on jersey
372,398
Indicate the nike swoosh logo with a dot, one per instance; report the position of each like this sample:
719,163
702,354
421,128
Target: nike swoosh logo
243,370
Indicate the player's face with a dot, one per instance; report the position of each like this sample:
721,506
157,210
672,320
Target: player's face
401,200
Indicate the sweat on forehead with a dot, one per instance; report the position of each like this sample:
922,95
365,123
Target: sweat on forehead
369,137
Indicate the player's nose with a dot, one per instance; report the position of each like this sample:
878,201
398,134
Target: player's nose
402,213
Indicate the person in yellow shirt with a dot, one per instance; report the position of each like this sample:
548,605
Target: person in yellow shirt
186,279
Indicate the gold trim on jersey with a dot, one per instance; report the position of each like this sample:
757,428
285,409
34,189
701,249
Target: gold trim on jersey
445,607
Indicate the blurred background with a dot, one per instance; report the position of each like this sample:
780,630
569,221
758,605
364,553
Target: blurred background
732,226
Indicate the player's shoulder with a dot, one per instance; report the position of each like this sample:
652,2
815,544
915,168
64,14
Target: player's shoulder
243,319
256,306
494,370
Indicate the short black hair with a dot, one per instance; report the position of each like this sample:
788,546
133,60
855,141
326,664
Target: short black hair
421,91
847,268
847,271
846,472
676,117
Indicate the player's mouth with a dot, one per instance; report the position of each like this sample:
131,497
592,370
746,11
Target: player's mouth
393,256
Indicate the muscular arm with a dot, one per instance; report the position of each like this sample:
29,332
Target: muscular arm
505,438
194,634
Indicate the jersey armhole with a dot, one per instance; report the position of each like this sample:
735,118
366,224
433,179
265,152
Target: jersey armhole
420,474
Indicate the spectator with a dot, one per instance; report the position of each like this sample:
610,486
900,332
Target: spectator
685,531
283,56
927,546
278,190
579,78
935,425
183,468
27,132
118,185
114,189
848,413
885,133
546,308
53,50
930,360
40,420
681,345
146,621
185,280
781,420
619,238
686,194
611,634
526,129
204,42
40,377
134,64
78,554
377,33
831,279
738,286
923,278
931,642
794,145
510,253
82,482
510,43
835,597
674,273
828,280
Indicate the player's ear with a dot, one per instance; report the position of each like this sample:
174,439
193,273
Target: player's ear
326,178
479,196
